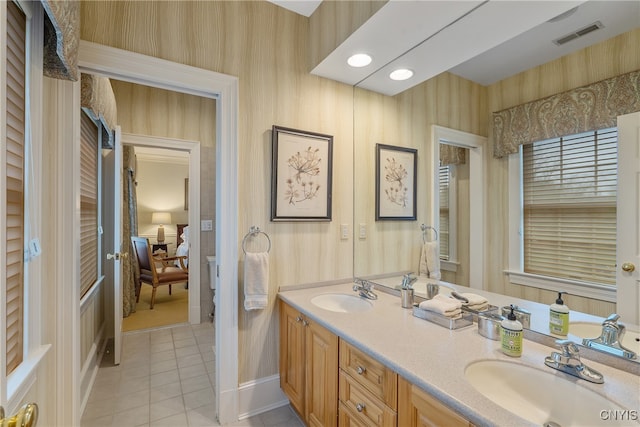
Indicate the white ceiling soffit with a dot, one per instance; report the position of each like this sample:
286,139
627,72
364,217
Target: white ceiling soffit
486,27
483,41
301,7
396,28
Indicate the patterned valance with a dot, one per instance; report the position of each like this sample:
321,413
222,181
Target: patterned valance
452,155
587,108
61,39
97,96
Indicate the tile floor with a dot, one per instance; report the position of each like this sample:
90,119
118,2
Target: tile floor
165,378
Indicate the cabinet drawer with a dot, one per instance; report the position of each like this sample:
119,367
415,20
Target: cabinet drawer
362,406
381,381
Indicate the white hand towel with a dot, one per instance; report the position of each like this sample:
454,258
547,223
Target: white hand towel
474,299
256,280
442,305
430,260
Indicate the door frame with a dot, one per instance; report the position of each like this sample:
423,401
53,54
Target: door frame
474,144
193,148
150,71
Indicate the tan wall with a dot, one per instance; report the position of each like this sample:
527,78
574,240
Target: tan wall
150,111
266,47
610,58
405,120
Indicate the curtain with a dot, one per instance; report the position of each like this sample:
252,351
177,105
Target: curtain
98,98
584,109
61,39
452,155
130,270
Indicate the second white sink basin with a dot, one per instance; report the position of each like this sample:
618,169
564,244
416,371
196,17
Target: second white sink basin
539,396
630,339
342,303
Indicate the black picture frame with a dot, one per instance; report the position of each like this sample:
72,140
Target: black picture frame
301,175
396,183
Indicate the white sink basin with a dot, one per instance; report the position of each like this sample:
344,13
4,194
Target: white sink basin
630,339
342,303
538,395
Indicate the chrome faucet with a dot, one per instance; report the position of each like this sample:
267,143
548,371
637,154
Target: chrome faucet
408,280
610,339
364,289
568,361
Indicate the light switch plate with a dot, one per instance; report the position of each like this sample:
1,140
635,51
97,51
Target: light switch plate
206,225
344,231
362,231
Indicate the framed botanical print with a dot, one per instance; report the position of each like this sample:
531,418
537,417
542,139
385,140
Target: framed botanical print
301,174
396,181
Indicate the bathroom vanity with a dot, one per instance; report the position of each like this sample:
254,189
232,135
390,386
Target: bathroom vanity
373,363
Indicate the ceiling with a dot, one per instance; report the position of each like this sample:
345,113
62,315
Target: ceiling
483,41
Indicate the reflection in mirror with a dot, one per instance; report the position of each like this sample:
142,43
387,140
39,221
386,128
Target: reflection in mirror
458,170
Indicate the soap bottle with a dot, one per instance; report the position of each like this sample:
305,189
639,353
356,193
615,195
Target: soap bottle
559,317
511,335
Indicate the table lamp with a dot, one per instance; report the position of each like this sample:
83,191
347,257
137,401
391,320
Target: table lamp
160,218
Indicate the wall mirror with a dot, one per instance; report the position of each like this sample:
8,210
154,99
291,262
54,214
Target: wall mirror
383,248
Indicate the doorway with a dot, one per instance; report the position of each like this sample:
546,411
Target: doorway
133,67
160,188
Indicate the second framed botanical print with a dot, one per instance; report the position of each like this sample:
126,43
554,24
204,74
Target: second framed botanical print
300,175
396,182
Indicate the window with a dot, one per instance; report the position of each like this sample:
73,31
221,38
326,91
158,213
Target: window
89,203
21,349
445,189
569,207
16,105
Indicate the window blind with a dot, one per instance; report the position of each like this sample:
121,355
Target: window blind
569,206
443,236
88,203
15,149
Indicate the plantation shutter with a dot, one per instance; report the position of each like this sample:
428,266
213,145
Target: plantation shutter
88,203
444,211
15,149
569,187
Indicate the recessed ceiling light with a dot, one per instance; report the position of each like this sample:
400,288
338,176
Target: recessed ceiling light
401,74
359,60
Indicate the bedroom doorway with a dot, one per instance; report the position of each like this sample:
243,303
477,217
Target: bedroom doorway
160,178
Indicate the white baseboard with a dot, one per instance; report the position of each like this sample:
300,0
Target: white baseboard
261,395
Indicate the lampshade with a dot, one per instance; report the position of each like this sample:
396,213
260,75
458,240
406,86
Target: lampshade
161,218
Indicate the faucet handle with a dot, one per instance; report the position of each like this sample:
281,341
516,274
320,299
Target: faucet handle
612,319
568,348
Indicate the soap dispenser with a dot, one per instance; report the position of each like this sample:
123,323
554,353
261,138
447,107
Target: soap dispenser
511,335
559,317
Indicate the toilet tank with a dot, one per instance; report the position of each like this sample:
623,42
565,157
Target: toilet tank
211,260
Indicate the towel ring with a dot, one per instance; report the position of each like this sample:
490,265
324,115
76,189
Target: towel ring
252,232
424,229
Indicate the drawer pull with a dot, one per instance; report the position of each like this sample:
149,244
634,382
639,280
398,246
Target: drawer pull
298,319
305,323
360,407
361,370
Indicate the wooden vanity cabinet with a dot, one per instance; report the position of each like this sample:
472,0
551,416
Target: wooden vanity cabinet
367,390
309,367
418,408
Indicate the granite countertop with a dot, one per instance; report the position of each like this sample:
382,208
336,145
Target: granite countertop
434,357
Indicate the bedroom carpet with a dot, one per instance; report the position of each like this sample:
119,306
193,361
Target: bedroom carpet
167,310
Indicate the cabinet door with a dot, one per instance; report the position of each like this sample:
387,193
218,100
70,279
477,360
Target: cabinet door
321,352
416,408
292,369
